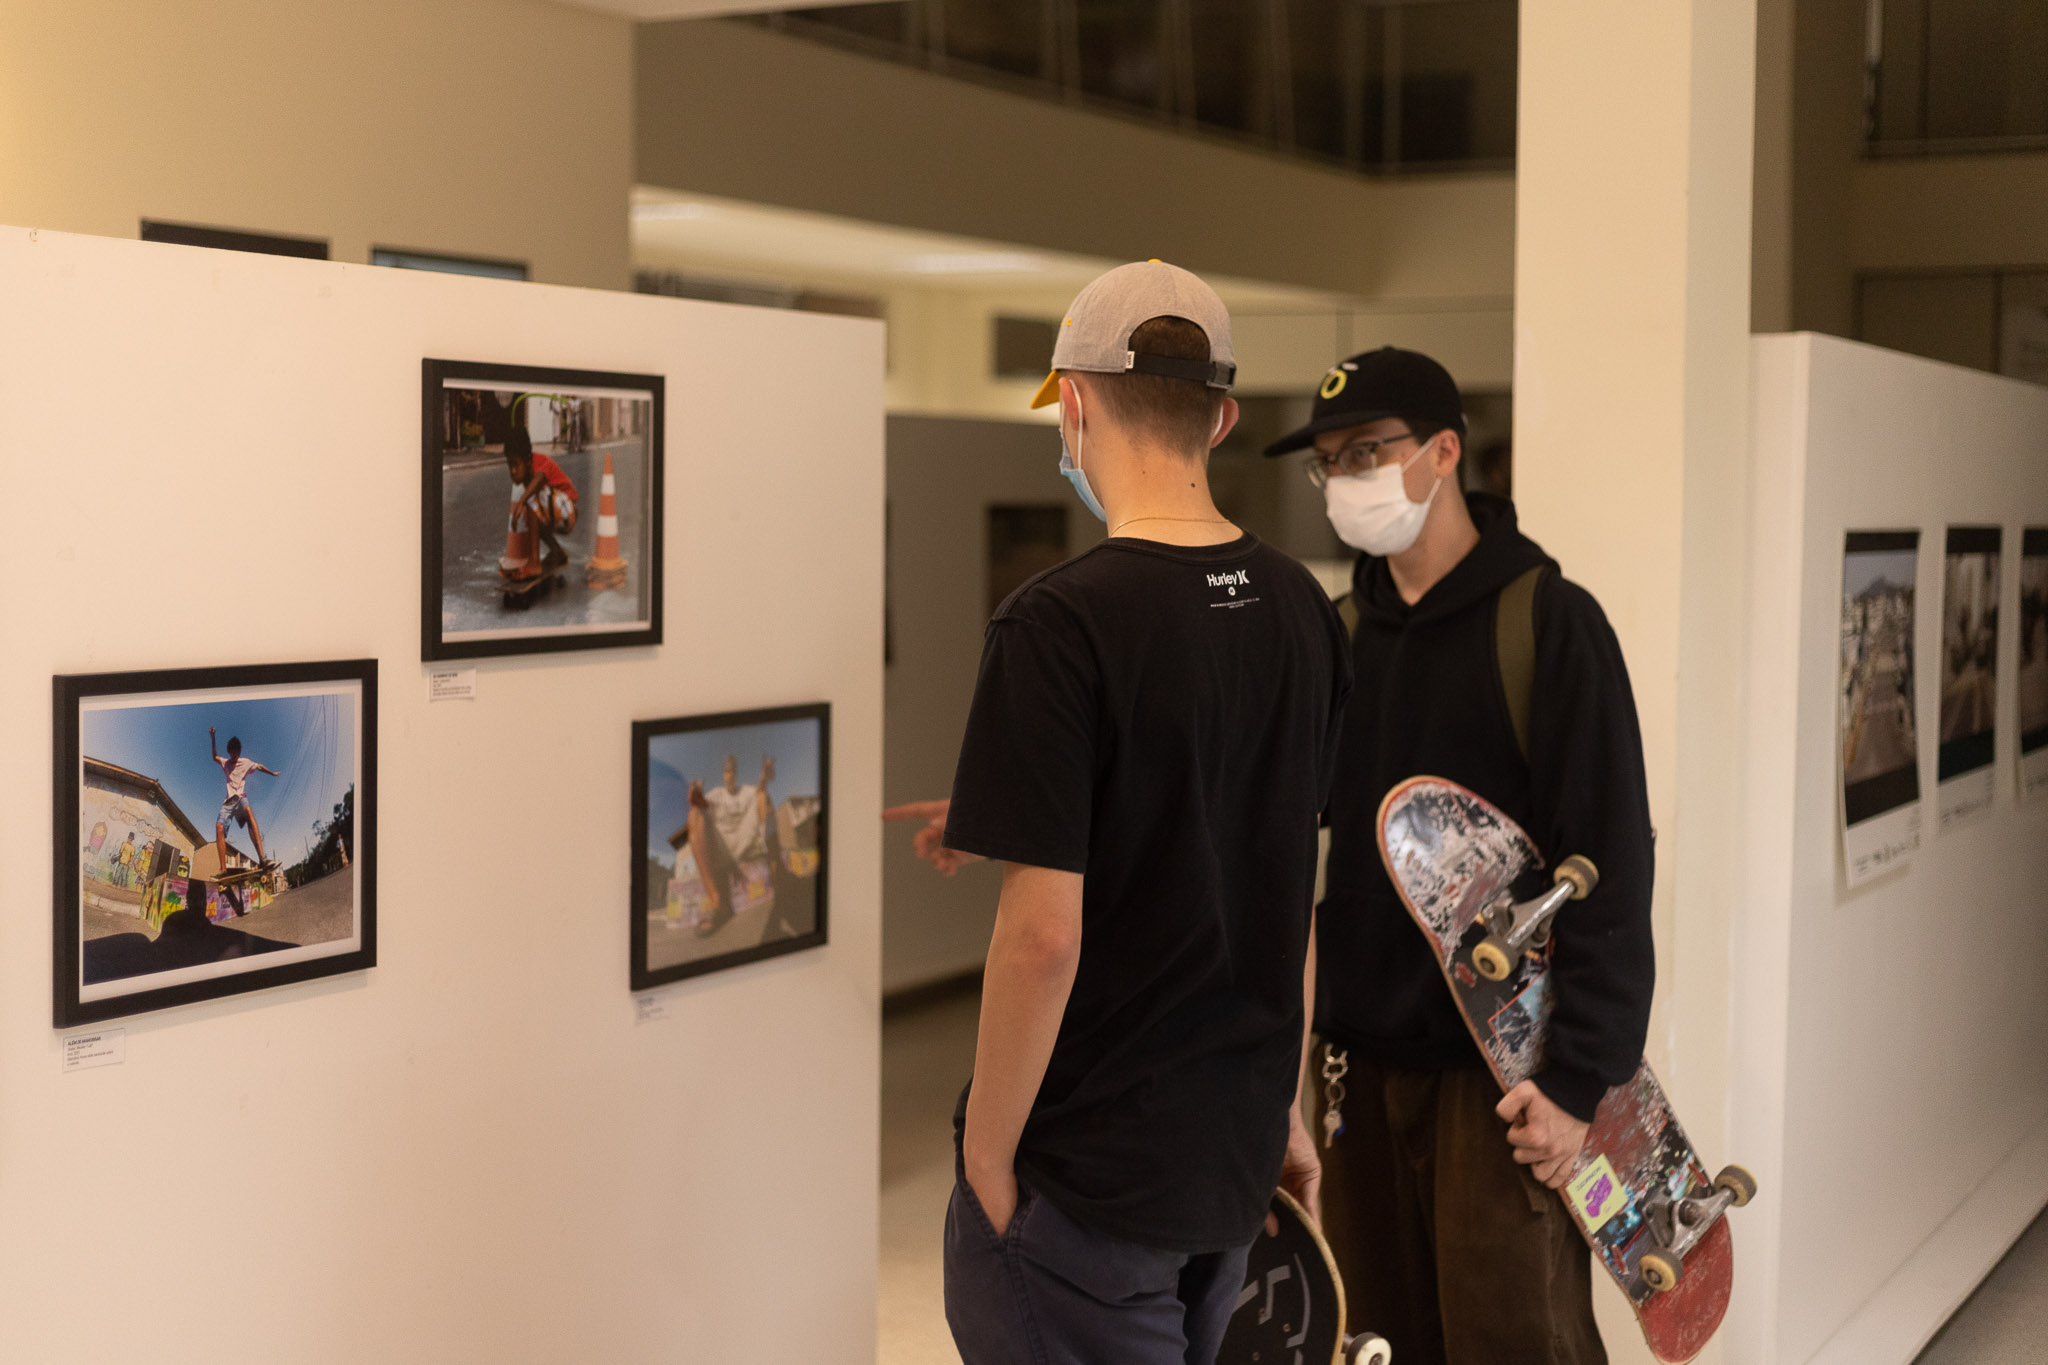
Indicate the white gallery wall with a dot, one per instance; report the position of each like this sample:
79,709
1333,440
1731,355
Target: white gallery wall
479,1149
1892,1085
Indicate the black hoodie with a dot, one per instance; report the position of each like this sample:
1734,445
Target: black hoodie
1428,701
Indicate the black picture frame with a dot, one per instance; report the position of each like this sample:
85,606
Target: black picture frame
644,974
76,1001
439,643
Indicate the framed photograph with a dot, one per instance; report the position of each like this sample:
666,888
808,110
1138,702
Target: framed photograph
216,832
540,509
729,849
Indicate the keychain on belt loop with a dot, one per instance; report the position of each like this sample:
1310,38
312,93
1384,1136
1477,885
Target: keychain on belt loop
1335,1065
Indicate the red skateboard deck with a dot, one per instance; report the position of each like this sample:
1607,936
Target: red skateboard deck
1452,856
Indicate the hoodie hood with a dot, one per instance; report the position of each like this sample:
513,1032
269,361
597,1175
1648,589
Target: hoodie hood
1502,555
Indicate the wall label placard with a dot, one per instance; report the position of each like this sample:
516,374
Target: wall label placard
451,684
108,1047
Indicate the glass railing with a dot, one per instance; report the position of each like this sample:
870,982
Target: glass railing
1373,85
1956,75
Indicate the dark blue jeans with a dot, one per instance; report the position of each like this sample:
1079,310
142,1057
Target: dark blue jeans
1052,1292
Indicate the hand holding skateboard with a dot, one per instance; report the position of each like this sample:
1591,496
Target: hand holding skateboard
1637,1191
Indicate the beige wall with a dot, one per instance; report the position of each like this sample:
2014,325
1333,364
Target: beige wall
1851,213
1988,209
731,109
495,128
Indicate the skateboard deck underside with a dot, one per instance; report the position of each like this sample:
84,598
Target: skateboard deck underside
1292,1305
1450,854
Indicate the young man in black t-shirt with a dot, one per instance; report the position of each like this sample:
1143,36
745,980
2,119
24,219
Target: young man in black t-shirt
1148,752
1434,1195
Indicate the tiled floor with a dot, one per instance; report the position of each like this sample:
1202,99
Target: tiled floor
2006,1321
926,1056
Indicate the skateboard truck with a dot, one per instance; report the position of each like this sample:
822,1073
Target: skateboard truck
1512,929
1676,1225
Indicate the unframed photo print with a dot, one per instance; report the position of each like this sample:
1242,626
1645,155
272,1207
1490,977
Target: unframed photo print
1880,800
2033,680
1969,673
216,833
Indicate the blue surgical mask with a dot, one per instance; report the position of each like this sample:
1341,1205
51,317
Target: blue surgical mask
1070,465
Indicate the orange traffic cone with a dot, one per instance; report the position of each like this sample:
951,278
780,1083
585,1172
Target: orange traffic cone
522,542
607,569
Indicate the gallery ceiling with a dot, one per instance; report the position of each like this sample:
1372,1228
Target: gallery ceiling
759,241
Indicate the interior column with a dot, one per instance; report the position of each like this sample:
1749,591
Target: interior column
1632,306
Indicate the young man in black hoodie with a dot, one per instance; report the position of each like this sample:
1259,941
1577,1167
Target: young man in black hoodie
1437,1189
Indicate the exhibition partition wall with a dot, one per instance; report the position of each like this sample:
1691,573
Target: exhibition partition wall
1892,1087
486,1146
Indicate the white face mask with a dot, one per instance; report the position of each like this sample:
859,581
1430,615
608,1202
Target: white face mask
1371,511
1070,464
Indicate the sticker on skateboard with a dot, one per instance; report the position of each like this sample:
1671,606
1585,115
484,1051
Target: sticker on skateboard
1469,878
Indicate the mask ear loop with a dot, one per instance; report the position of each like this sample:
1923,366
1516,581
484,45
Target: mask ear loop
1080,424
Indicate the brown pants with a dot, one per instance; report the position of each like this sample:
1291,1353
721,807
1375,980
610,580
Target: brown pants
1449,1249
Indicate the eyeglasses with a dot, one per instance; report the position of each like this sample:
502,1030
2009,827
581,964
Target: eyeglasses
1357,458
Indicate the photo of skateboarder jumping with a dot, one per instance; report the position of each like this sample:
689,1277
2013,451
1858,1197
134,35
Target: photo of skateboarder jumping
235,806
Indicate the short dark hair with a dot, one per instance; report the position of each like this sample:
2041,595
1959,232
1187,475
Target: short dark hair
234,744
1178,413
518,441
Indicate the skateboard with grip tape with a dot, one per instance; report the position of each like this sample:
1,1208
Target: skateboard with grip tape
1637,1191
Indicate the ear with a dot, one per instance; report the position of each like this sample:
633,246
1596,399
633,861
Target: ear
1226,421
1450,449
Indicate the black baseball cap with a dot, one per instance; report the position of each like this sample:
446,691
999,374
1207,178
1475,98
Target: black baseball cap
1373,385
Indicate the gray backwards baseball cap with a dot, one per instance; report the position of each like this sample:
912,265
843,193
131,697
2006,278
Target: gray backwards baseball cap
1095,336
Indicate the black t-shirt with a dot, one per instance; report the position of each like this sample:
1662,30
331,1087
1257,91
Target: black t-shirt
1163,719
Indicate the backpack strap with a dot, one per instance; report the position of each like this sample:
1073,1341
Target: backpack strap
1347,612
1514,649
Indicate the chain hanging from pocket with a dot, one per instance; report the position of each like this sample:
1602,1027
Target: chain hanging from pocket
1335,1066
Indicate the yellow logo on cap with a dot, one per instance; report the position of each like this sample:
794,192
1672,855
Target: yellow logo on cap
1333,383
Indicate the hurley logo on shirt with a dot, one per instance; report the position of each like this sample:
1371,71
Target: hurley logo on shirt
1230,581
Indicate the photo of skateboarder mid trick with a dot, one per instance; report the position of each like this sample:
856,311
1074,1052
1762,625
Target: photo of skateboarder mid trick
548,497
235,806
725,825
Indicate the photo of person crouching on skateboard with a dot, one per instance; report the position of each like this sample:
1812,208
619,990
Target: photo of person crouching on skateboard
235,808
547,501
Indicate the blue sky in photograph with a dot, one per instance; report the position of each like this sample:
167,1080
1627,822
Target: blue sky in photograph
674,760
309,739
1864,568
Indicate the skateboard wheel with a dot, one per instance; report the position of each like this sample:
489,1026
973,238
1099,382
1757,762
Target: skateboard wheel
1368,1348
1580,872
1737,1181
1659,1271
1492,961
